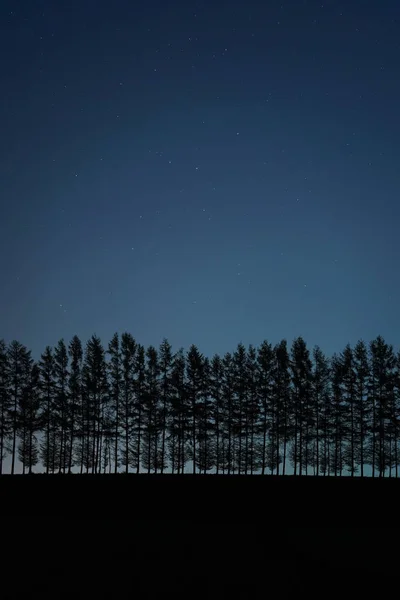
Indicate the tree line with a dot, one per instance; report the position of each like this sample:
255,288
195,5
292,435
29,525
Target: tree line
255,410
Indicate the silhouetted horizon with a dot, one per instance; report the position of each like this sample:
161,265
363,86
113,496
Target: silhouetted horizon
260,410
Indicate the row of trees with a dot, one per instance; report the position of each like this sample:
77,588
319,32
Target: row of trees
254,410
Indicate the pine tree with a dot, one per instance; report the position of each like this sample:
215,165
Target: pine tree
349,379
179,426
29,417
19,365
253,411
381,389
339,415
165,361
151,457
301,368
282,393
361,407
75,397
116,387
47,385
5,403
60,407
239,404
395,420
95,396
194,374
215,388
228,454
266,367
206,458
138,406
321,398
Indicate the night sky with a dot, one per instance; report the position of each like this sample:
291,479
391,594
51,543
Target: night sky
210,172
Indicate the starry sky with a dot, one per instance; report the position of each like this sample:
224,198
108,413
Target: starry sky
210,172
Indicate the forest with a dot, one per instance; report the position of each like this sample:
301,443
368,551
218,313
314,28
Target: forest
261,410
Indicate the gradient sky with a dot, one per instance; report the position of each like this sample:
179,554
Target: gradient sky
209,172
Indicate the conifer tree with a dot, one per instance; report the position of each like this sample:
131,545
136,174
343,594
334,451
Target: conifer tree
29,421
5,403
47,386
151,459
75,352
19,361
61,406
165,362
282,393
321,397
215,387
301,368
116,387
179,424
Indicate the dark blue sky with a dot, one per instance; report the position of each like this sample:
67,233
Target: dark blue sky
211,172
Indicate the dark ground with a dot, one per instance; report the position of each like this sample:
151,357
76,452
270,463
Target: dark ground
143,536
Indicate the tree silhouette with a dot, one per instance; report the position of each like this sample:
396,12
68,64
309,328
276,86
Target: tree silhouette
29,422
179,417
75,396
165,361
126,402
322,404
195,383
116,385
361,408
47,385
19,358
258,409
381,390
61,405
151,458
215,389
5,403
301,368
281,390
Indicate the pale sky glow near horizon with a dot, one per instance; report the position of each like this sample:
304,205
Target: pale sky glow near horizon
208,172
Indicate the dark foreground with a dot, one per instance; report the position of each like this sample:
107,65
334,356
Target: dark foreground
202,536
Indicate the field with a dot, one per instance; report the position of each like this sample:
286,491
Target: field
234,532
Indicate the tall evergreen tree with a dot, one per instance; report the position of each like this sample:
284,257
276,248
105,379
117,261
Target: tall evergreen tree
339,415
322,404
194,375
138,406
228,454
47,386
128,356
252,412
395,420
19,358
239,403
179,424
29,417
5,403
349,380
215,388
95,394
165,362
282,393
381,391
75,352
151,457
61,406
301,368
206,444
361,407
116,387
266,374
